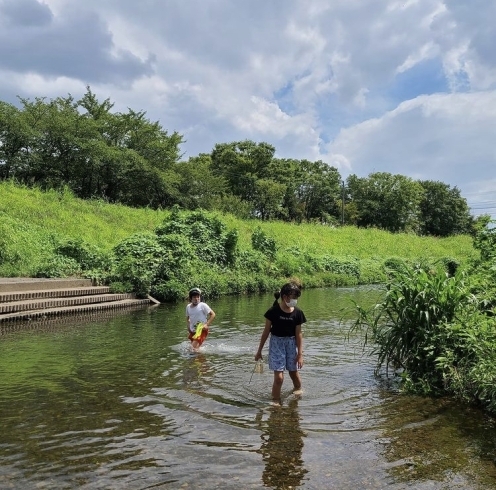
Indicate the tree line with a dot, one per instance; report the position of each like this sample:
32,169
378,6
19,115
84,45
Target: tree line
123,157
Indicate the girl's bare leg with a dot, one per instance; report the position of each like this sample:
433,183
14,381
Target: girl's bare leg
277,385
295,377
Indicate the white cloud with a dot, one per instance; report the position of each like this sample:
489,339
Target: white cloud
399,86
438,137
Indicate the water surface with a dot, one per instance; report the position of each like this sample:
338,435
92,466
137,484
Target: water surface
119,402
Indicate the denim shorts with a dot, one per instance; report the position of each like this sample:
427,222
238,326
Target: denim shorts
282,353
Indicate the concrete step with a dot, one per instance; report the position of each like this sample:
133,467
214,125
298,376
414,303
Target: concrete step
15,284
42,304
78,309
26,299
51,293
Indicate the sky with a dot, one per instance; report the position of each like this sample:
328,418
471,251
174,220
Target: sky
406,87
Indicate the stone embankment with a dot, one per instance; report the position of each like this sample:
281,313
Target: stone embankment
24,299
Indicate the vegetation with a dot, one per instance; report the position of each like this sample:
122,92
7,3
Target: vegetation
125,158
85,191
436,327
55,234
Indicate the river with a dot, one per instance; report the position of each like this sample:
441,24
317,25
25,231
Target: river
118,401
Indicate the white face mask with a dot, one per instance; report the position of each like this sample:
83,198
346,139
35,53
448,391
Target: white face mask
291,303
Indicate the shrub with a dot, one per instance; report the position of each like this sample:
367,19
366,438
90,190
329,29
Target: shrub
395,264
263,243
288,265
450,265
177,251
121,287
59,266
137,260
345,266
86,255
251,260
408,326
206,234
168,291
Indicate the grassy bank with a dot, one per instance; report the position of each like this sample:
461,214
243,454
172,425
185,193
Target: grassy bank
35,226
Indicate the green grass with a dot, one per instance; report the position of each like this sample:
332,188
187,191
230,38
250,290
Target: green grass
94,221
31,221
360,243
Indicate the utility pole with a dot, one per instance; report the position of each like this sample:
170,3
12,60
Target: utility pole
342,203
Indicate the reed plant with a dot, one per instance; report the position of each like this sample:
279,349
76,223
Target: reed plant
408,328
435,327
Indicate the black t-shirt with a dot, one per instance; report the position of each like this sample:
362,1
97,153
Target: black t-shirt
284,324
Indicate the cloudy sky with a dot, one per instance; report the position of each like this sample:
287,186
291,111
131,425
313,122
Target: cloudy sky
406,87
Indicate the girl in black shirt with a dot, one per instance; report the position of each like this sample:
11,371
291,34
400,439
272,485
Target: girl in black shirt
283,322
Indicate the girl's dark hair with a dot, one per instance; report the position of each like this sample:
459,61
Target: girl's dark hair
288,289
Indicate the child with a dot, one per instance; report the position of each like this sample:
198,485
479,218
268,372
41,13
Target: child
199,317
283,322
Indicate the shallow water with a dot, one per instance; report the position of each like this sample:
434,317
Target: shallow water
119,402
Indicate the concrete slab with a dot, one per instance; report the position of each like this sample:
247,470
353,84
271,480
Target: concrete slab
8,284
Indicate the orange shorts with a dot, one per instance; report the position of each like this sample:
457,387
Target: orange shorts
201,338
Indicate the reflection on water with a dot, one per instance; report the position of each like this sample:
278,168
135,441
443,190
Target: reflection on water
424,442
282,445
120,402
196,369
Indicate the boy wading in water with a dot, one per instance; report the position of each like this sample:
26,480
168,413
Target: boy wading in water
283,322
199,317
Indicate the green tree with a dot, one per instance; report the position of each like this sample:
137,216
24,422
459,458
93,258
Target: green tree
15,138
59,144
387,201
83,145
288,172
138,164
318,189
242,163
269,196
199,188
443,210
312,189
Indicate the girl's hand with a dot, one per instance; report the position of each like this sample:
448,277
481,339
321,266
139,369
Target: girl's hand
258,356
299,361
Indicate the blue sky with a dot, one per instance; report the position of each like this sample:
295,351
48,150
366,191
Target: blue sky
406,87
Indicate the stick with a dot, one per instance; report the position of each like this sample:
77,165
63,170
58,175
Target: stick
253,372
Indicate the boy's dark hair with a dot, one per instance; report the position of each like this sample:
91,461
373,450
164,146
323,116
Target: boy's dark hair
194,292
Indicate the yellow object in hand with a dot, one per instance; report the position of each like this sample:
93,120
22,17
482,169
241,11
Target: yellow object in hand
199,328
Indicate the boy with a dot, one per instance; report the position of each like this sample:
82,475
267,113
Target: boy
199,317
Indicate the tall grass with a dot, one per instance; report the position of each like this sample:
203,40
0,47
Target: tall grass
33,223
93,221
362,243
408,326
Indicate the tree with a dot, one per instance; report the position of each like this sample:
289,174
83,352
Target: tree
444,211
289,173
199,188
318,189
96,153
269,196
15,137
59,144
387,201
242,163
